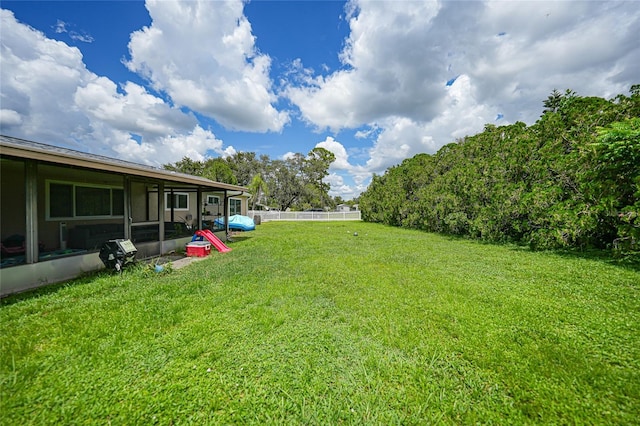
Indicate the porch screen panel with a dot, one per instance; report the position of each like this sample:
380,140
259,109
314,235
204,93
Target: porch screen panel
144,202
118,202
93,201
61,200
13,213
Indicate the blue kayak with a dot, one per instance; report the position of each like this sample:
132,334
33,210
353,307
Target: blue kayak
237,222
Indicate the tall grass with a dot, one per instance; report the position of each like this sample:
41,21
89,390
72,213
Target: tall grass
306,323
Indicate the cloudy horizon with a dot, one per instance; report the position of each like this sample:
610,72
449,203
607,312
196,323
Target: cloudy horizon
377,82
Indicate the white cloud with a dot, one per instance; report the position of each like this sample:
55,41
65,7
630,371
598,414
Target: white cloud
415,75
61,27
552,45
83,37
398,138
342,168
9,118
387,57
48,95
39,77
134,111
335,180
229,151
368,132
202,54
419,75
288,155
339,187
402,137
342,158
169,149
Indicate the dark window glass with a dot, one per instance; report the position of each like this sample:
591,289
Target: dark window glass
182,201
179,201
93,201
118,202
60,200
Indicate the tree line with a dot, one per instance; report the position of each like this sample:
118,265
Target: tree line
295,183
572,179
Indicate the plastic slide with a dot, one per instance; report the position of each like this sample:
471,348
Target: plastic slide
215,241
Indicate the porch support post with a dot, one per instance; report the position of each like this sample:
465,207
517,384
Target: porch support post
161,198
126,189
226,215
173,202
199,208
31,219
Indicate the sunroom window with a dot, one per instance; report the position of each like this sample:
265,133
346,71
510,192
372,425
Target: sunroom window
235,206
179,201
69,201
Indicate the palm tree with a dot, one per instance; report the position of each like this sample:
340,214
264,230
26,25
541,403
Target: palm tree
258,188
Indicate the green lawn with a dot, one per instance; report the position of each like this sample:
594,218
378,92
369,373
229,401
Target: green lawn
305,323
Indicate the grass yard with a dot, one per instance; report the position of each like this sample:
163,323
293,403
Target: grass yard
305,323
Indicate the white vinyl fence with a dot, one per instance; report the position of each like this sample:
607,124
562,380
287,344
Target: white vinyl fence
266,216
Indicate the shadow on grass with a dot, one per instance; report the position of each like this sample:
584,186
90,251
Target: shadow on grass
239,237
630,260
86,278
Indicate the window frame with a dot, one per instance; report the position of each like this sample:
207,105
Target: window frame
167,207
75,199
239,205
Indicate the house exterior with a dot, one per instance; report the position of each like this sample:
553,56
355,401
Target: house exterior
58,206
213,207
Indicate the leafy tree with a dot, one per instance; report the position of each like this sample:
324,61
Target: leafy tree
218,170
617,174
188,166
556,101
552,103
314,168
245,166
569,180
295,182
284,182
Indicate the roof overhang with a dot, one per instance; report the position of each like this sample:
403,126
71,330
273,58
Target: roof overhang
20,148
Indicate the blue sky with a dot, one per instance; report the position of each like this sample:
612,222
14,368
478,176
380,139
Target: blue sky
375,82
